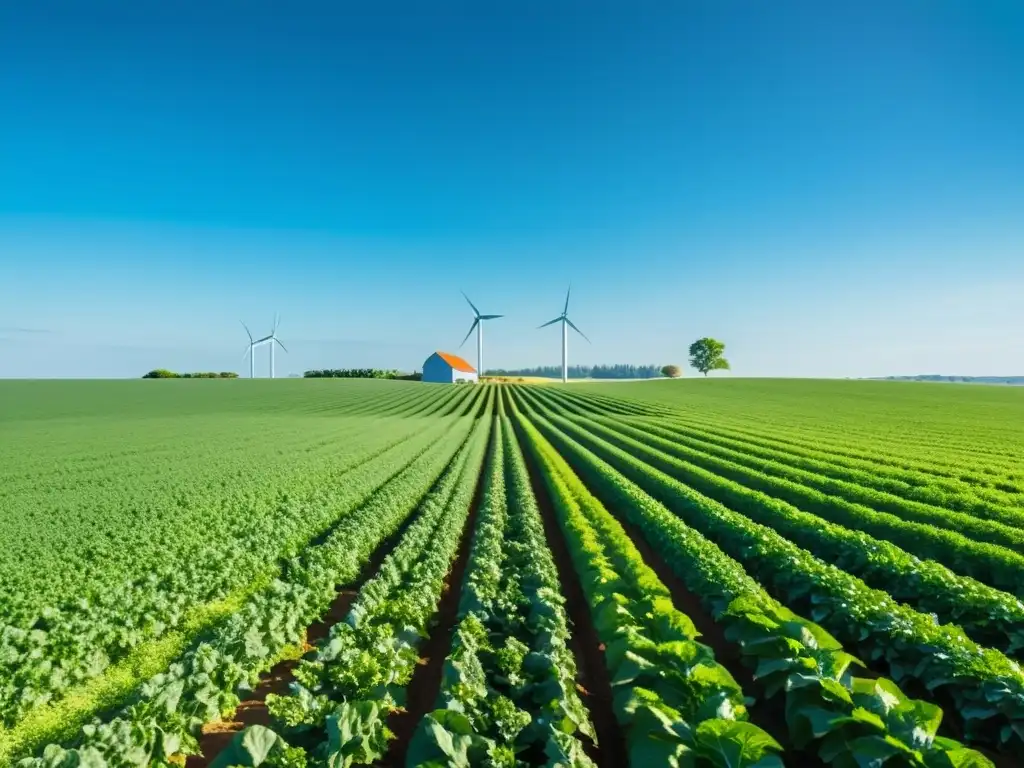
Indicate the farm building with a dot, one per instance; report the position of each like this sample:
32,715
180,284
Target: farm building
445,368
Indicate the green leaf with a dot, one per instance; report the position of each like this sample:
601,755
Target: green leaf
355,734
444,737
769,666
657,738
821,722
957,758
916,723
249,748
564,751
873,751
733,744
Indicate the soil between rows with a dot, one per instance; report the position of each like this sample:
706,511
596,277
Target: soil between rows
423,688
768,715
594,681
253,710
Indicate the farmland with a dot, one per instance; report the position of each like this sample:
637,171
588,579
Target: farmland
342,572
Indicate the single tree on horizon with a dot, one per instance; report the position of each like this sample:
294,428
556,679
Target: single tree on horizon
706,355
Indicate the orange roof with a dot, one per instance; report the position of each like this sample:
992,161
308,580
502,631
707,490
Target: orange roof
456,362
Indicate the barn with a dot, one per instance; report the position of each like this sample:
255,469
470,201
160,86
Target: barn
446,368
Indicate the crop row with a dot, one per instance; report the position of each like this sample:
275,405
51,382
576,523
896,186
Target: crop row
882,442
509,681
833,495
988,615
998,566
164,716
336,712
845,719
914,485
67,646
671,697
988,523
986,688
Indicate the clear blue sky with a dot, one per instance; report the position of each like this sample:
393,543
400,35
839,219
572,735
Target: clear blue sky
831,191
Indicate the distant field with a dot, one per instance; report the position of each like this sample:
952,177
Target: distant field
343,572
966,424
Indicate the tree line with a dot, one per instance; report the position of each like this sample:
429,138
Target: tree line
163,373
354,373
706,355
617,371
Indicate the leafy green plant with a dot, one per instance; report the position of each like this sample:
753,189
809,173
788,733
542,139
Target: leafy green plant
671,696
718,579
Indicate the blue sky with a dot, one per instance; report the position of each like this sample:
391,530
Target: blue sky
831,191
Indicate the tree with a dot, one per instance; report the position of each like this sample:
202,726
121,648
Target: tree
161,373
672,371
706,355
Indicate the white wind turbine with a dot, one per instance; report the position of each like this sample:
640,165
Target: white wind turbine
566,325
478,323
270,340
249,350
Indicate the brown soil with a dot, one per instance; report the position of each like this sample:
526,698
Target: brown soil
594,682
253,710
421,693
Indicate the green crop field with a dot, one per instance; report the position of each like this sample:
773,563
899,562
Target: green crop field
675,573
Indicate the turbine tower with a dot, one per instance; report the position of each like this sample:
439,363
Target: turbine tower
478,323
566,325
250,351
271,340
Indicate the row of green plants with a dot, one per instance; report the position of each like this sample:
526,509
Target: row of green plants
995,563
915,486
985,687
337,709
675,703
131,497
990,616
164,716
981,563
53,650
1003,530
845,719
926,451
508,688
414,401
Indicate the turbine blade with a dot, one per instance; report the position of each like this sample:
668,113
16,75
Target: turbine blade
490,317
475,310
282,346
566,310
581,333
245,354
247,331
551,322
471,329
277,321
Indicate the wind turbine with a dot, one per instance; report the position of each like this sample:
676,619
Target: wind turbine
478,323
271,340
249,351
566,325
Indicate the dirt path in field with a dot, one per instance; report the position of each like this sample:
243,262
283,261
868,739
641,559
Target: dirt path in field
594,682
421,693
253,710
